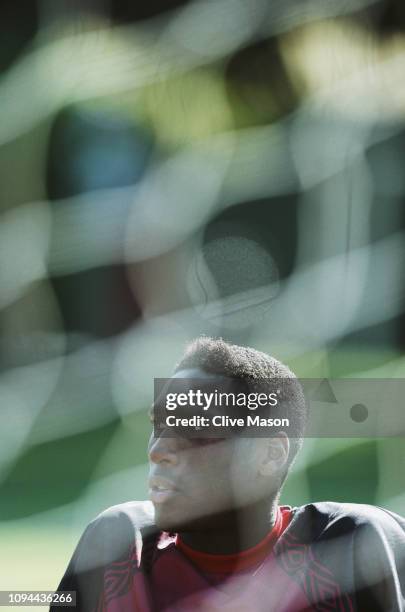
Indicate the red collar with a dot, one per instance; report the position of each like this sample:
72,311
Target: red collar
226,564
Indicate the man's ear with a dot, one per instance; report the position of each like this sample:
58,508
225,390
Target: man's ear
276,455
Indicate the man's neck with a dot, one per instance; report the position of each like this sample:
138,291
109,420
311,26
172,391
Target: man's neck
236,531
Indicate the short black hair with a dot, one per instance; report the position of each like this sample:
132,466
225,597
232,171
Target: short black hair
217,356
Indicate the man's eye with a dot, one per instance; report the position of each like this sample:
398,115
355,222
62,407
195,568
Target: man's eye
205,441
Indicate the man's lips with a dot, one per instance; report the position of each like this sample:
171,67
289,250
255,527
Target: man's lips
161,489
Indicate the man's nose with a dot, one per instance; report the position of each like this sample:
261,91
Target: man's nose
163,450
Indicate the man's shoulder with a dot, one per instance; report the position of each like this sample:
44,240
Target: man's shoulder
355,549
330,516
358,513
138,513
113,533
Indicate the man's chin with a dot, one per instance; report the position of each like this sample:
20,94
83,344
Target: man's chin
181,524
177,517
170,526
167,521
175,523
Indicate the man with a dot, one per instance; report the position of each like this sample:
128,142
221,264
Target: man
214,537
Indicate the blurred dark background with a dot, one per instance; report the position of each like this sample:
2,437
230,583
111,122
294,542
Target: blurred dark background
169,169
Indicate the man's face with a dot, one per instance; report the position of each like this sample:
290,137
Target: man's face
196,482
